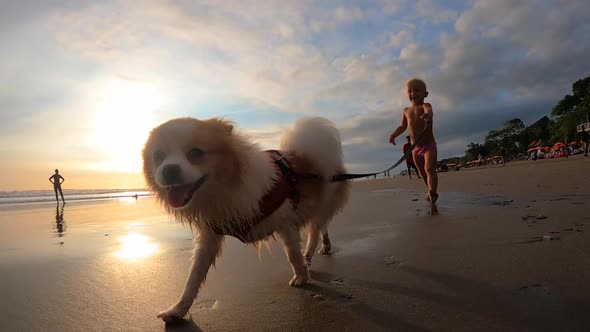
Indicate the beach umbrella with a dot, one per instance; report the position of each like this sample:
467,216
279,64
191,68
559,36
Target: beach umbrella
558,145
573,143
531,150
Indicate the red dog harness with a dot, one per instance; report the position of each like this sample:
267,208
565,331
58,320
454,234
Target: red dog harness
282,189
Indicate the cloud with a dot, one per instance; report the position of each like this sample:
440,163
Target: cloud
492,50
391,6
401,37
344,15
265,65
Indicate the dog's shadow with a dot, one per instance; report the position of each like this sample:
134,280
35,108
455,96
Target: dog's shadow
183,325
333,294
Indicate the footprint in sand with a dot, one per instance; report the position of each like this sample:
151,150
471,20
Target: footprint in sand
208,304
553,236
391,261
318,297
337,282
533,219
532,289
503,203
574,230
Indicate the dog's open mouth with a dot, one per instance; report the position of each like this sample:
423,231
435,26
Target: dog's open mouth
179,195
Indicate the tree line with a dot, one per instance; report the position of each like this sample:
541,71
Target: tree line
515,138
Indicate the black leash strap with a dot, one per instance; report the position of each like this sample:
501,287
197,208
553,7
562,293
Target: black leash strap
344,177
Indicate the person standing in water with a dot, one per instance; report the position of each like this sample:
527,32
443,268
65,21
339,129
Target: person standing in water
57,180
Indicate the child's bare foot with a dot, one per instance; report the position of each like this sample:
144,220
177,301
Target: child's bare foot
432,198
433,210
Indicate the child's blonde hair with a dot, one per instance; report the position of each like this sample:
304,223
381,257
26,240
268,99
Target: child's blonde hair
417,81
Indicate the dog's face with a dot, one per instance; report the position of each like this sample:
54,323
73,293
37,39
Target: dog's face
183,156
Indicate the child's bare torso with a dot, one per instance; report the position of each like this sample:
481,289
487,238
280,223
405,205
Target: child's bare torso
417,125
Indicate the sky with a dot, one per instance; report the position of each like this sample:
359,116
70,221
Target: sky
83,82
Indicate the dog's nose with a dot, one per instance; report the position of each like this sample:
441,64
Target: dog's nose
171,174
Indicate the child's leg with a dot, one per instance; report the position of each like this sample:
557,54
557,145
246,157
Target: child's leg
430,165
417,173
419,162
409,170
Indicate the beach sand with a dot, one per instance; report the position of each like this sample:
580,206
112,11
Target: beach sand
480,265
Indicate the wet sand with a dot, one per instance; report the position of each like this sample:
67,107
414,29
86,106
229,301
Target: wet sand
481,264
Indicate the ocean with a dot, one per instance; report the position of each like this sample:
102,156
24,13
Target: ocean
36,197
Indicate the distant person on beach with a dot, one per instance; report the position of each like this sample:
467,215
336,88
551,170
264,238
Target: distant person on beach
57,180
418,120
585,140
410,159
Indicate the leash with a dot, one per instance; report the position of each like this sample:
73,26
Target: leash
348,176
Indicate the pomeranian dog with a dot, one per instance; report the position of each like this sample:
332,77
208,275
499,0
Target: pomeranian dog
215,180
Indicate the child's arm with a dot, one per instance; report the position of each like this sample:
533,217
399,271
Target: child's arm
402,127
427,116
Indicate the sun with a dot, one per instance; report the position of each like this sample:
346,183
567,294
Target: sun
121,123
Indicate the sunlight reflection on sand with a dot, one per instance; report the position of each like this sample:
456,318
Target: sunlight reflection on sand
136,246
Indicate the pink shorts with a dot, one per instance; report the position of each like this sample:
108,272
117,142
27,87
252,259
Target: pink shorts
421,150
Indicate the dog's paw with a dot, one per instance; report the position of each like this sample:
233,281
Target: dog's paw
325,250
298,281
174,313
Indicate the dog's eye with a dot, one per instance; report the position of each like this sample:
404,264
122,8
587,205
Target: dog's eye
195,154
158,156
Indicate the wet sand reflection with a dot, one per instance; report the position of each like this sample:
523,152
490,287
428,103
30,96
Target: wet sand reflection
60,224
136,246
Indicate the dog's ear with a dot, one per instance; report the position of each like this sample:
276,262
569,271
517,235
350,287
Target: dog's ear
226,126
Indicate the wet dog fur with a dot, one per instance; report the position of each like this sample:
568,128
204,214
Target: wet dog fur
210,176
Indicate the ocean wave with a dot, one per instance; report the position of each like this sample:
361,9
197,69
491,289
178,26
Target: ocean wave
43,196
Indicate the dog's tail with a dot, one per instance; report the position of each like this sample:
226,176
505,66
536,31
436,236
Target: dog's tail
318,140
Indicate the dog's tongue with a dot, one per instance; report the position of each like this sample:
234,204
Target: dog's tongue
177,196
